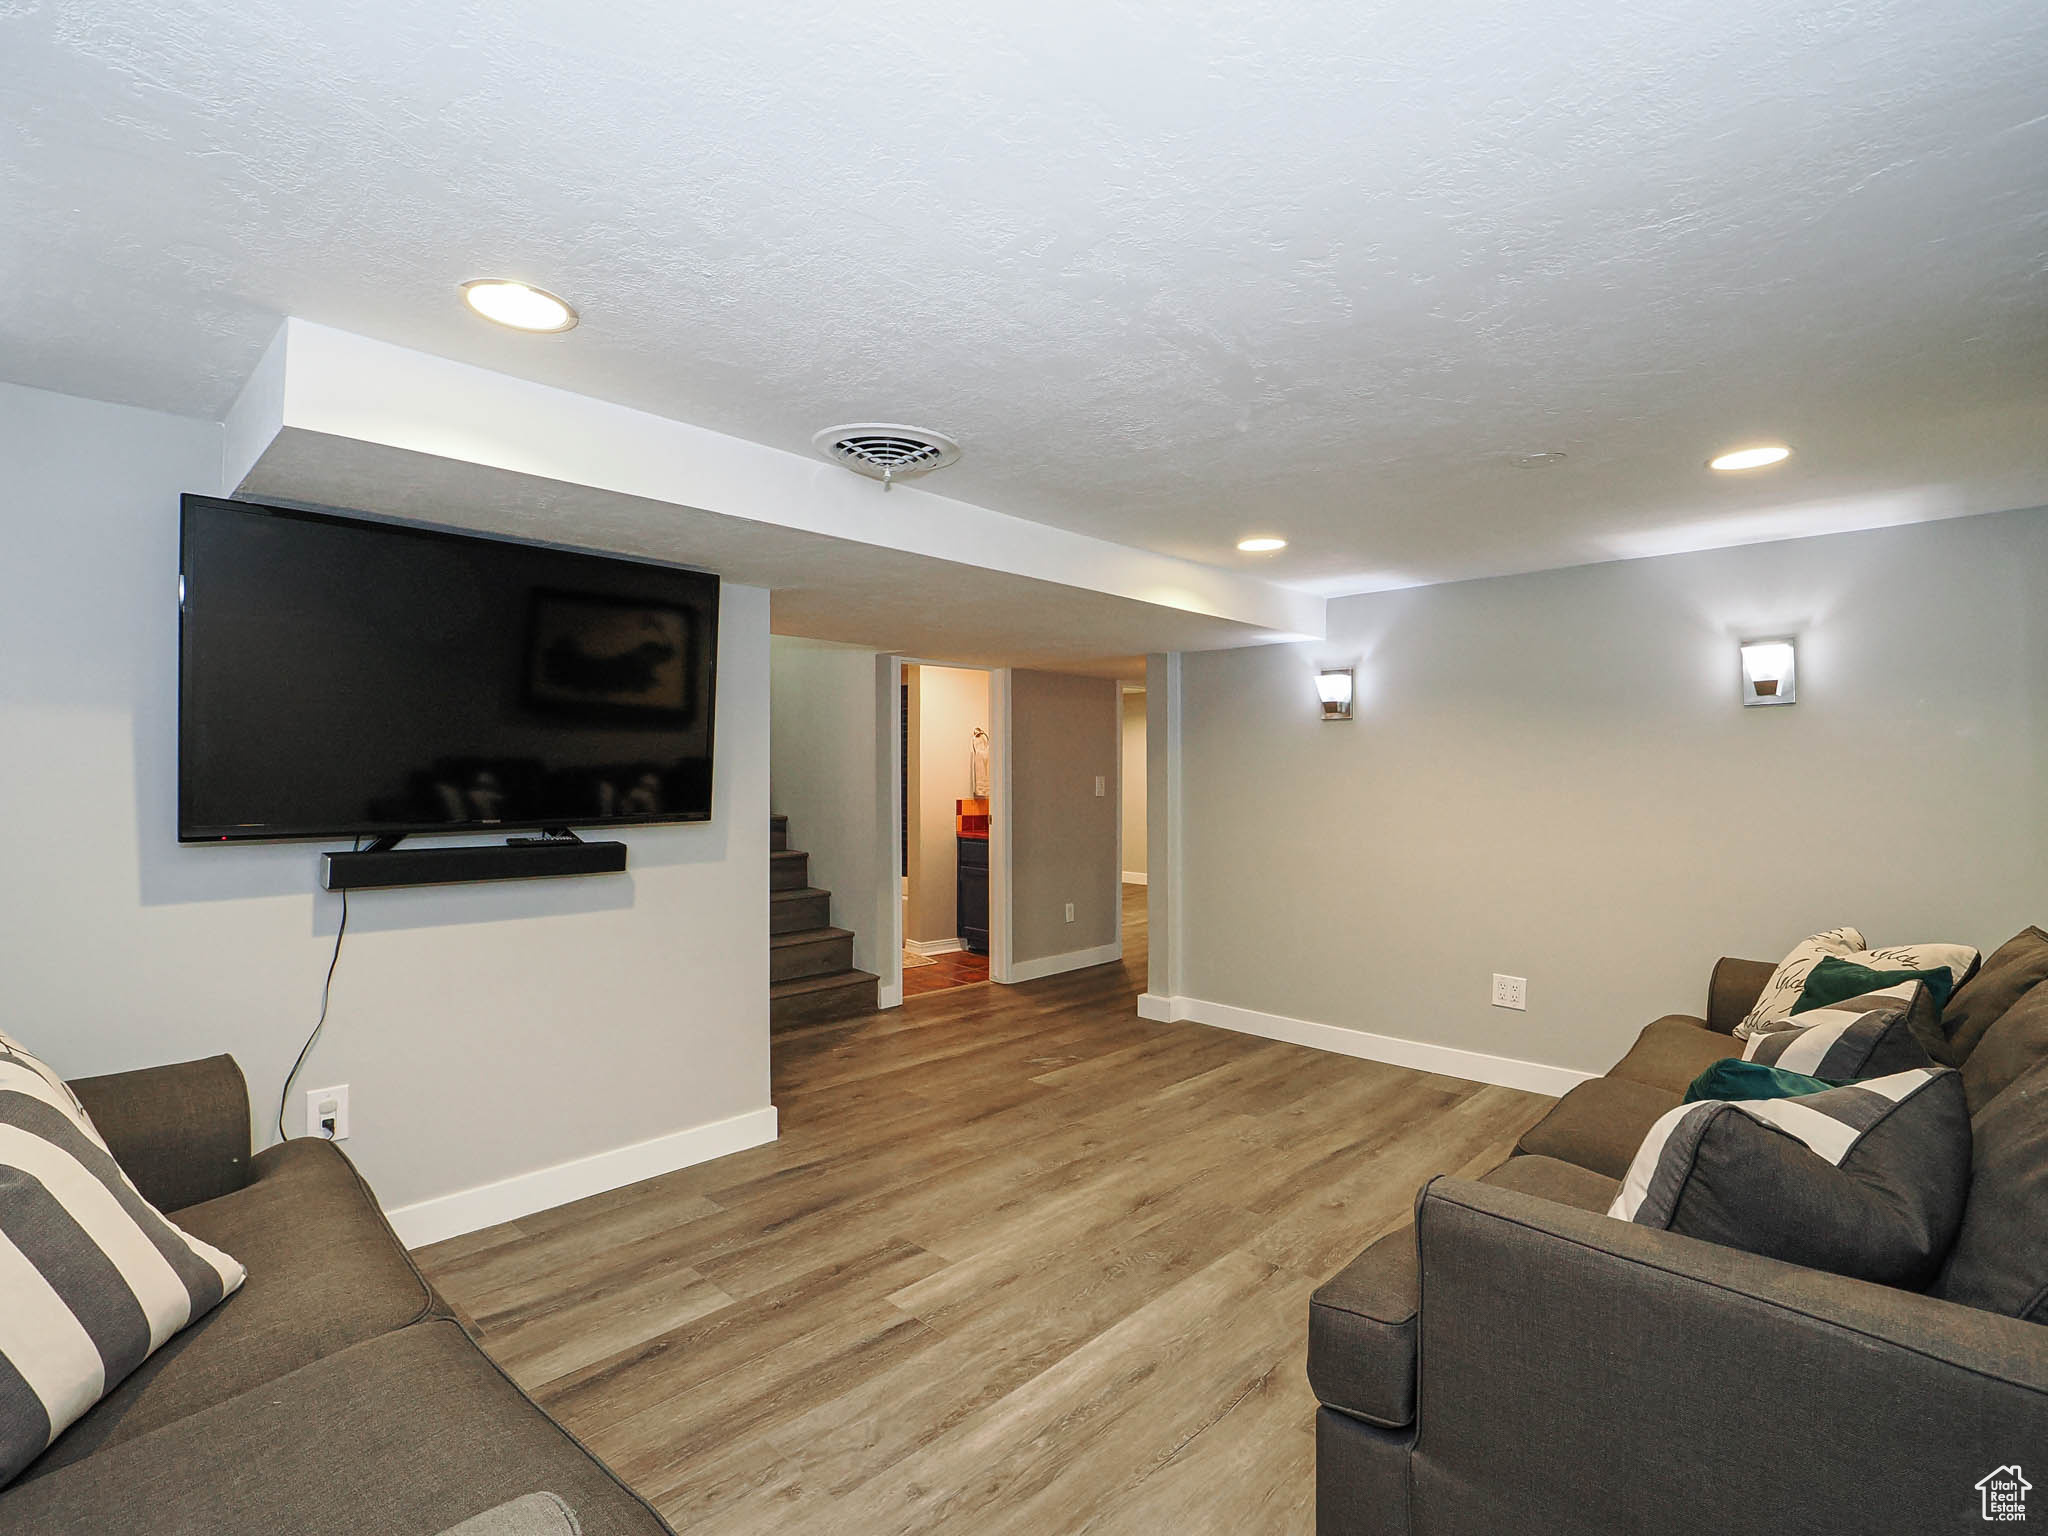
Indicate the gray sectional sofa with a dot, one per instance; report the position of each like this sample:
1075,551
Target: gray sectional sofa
1517,1361
333,1395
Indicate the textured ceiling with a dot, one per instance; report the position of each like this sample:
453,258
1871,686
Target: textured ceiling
1169,273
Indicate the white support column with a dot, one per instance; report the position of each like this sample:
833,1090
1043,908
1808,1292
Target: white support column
1000,757
1163,836
888,903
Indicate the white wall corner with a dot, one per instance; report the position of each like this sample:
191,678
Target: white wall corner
1160,1009
257,415
486,1205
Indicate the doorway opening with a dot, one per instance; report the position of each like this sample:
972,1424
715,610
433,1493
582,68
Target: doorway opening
946,806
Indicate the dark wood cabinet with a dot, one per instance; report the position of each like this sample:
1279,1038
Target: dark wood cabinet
973,894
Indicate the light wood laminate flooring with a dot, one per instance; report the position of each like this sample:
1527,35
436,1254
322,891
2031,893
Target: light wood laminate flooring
1021,1264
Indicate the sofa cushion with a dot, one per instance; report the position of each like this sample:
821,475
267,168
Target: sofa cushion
406,1434
1788,982
1549,1179
325,1272
1894,1029
1673,1051
1837,979
1789,979
2000,1257
93,1278
2016,967
1752,1080
1361,1323
1866,1180
2008,1050
1599,1124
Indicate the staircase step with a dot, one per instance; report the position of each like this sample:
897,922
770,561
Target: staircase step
809,952
814,999
788,870
794,911
778,834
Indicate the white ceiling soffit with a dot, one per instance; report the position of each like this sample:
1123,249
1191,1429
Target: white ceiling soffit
337,420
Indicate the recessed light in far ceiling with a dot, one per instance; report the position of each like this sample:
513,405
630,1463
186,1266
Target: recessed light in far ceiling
521,306
1262,544
1762,456
1537,460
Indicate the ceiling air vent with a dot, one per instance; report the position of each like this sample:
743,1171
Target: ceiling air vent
886,451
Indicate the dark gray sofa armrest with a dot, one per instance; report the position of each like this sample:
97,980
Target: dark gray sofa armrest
1579,1374
180,1132
1733,990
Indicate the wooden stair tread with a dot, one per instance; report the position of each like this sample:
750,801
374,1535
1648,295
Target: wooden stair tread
807,936
798,986
797,893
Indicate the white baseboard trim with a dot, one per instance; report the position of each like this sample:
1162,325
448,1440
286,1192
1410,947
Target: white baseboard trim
1473,1066
930,947
1073,960
1134,877
467,1210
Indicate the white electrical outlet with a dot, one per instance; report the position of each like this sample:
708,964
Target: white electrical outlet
1511,992
325,1107
1101,786
1070,911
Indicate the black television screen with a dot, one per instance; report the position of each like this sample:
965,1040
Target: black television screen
340,677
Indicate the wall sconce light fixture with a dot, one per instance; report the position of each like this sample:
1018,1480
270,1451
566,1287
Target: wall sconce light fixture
1770,672
1333,686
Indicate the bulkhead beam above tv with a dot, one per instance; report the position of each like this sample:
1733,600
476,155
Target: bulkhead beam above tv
333,419
348,677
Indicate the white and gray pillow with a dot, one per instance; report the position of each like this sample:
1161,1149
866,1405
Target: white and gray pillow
1781,992
93,1279
1867,1180
1872,1035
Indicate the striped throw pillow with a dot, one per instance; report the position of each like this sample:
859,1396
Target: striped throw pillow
1781,993
93,1279
1867,1180
1874,1035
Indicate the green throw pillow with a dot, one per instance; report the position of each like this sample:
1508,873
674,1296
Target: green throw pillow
1835,980
1733,1079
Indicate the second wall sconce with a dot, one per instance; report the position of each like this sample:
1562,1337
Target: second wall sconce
1333,687
1770,672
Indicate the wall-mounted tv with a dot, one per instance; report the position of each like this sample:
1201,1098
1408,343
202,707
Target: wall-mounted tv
341,677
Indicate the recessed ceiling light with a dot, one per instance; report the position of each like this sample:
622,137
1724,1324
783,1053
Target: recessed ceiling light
519,305
1264,544
1537,460
1760,457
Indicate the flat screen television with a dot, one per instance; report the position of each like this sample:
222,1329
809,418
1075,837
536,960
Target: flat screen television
340,677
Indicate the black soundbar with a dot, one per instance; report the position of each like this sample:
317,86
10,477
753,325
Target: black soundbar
376,868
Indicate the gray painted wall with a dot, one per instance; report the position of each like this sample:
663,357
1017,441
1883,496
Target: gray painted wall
1065,731
484,1031
1134,783
1550,776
